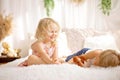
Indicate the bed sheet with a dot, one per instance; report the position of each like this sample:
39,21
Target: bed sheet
11,71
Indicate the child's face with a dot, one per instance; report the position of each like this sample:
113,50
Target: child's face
52,33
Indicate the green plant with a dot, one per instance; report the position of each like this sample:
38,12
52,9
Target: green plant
49,5
105,6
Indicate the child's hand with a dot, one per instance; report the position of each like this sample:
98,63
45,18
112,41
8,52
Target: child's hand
83,59
56,61
78,61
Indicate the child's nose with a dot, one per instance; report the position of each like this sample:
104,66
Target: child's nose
54,33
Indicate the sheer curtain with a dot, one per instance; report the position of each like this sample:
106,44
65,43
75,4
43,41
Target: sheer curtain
98,20
27,13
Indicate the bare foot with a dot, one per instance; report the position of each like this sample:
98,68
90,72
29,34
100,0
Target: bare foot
23,64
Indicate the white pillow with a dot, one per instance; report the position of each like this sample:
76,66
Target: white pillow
101,42
63,49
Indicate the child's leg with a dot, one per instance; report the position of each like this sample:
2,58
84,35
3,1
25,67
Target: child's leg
77,54
33,59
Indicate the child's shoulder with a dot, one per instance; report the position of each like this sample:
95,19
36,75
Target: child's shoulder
36,43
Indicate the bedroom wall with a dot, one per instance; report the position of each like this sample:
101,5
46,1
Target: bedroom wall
27,13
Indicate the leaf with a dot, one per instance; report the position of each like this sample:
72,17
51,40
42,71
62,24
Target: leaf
105,6
49,5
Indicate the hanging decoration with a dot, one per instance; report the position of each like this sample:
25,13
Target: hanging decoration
77,1
49,6
5,26
105,6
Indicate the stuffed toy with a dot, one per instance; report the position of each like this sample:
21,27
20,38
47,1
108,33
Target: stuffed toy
8,51
5,26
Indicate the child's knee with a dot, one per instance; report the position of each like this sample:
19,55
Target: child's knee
32,57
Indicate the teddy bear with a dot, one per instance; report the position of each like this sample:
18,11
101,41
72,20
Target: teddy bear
8,51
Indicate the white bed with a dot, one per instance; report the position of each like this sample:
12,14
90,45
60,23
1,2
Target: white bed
11,71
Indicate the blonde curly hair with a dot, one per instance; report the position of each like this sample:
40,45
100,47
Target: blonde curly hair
43,27
5,26
109,58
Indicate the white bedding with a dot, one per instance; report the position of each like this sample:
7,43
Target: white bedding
11,71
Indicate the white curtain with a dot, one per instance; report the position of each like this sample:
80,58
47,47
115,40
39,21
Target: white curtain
27,13
100,21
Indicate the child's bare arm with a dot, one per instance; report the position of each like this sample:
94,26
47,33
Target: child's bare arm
91,54
41,53
55,53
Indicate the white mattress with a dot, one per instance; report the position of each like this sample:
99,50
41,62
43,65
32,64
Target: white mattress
11,71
